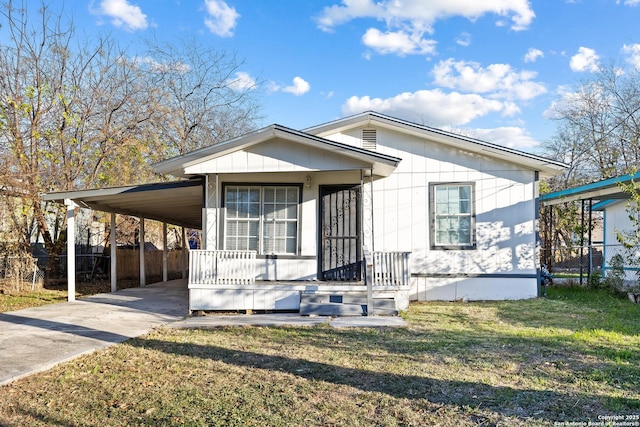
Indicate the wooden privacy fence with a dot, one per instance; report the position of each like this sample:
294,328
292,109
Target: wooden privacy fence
222,267
128,263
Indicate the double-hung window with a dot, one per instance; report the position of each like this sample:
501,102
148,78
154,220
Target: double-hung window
453,216
262,218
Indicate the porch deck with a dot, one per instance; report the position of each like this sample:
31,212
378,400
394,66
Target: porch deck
278,295
220,281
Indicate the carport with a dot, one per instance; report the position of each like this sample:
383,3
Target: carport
594,196
177,203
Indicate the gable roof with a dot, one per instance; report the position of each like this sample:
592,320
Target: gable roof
546,167
382,164
607,189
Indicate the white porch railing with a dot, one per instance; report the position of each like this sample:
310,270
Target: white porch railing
388,268
222,267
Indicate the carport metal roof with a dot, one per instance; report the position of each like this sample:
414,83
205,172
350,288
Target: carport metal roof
178,203
608,189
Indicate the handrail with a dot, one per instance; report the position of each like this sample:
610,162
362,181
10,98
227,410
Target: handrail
222,267
388,268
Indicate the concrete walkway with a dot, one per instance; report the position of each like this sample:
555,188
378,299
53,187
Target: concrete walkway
36,339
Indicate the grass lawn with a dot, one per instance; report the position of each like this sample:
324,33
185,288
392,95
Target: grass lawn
11,299
571,357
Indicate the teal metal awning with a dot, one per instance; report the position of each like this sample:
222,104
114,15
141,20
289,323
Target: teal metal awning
608,189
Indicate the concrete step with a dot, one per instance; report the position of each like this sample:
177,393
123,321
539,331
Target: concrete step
349,304
332,309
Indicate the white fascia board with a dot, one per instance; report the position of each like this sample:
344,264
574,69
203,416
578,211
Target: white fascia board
179,166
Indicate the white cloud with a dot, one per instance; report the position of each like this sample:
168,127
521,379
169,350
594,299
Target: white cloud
464,39
299,87
633,54
630,2
585,60
398,42
431,107
533,55
242,81
421,15
124,14
221,19
496,80
407,21
510,136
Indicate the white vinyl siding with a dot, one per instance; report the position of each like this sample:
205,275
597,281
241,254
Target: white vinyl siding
262,218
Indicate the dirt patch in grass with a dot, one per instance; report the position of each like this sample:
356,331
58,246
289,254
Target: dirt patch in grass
535,362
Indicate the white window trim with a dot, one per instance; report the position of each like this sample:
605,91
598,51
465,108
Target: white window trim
262,215
432,210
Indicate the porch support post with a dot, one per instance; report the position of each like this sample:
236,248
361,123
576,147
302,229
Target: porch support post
210,214
114,258
165,266
367,208
205,197
143,276
185,253
71,249
367,234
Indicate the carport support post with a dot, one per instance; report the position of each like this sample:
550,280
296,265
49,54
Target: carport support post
165,268
71,249
114,258
185,253
143,277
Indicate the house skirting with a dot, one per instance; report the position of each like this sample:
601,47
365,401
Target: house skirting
473,288
281,296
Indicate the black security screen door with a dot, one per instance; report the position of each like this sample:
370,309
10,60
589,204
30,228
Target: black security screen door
340,252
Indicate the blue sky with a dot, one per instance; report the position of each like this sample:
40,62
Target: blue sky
488,68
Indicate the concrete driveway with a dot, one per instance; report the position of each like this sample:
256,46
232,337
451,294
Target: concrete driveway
36,339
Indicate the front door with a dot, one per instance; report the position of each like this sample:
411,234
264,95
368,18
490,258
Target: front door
340,247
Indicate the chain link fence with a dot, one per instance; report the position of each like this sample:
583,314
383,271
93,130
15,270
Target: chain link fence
18,273
581,263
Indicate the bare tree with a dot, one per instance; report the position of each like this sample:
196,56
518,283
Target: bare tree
81,112
599,126
204,97
598,135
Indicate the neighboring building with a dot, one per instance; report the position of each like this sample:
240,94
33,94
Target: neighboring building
609,206
310,203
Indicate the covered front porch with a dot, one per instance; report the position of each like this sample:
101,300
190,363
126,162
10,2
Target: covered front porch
226,281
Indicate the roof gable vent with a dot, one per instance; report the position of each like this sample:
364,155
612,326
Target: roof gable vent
369,139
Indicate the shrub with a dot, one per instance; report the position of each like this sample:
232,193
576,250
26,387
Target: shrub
614,281
595,281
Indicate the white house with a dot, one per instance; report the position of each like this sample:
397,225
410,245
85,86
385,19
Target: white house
421,213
